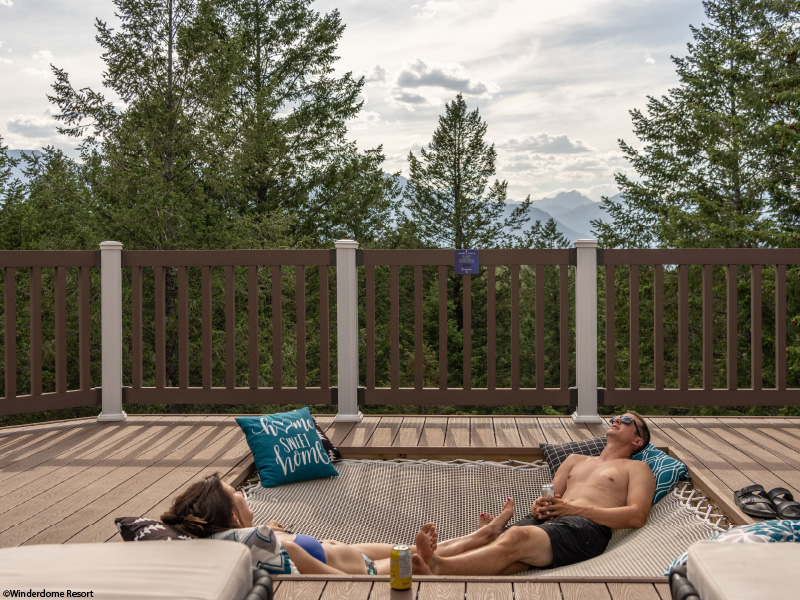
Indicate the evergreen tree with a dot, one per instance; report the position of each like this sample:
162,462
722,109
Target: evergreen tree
706,169
447,199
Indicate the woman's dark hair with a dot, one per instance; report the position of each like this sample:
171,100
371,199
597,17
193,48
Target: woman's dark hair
204,509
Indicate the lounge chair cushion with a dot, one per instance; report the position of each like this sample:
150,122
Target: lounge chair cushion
198,569
736,572
764,532
667,470
286,447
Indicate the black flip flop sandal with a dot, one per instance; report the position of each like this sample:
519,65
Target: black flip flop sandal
785,504
754,501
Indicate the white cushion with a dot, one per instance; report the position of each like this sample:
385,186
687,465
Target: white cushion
196,569
744,571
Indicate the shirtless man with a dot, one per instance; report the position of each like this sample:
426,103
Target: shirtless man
593,496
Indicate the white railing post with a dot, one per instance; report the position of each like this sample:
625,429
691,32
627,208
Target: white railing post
586,331
347,330
111,331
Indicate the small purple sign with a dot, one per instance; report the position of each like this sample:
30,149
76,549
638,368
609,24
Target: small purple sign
466,262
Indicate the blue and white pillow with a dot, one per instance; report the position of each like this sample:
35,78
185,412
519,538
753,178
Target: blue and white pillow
764,532
286,447
667,470
267,551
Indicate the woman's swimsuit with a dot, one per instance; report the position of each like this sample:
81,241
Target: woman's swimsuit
314,548
311,545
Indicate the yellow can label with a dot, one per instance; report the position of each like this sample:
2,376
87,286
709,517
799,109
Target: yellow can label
400,568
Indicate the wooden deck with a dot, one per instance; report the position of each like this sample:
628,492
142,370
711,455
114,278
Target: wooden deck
64,482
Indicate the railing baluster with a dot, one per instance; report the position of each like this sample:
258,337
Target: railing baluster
539,283
491,332
10,323
59,283
136,327
780,327
658,326
611,352
183,327
230,329
514,327
564,325
418,356
634,327
160,318
36,330
467,332
708,328
442,327
683,327
205,301
394,310
324,329
84,333
300,302
277,329
733,328
755,328
369,281
252,327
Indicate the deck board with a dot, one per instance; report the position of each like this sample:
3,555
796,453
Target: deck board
65,482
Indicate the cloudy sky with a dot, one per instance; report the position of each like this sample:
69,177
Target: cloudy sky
553,80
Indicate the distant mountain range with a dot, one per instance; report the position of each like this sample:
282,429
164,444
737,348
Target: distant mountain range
572,211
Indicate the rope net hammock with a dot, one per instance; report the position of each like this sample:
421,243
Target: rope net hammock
388,501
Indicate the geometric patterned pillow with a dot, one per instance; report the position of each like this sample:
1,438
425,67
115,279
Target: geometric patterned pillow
141,529
763,532
667,470
555,454
268,553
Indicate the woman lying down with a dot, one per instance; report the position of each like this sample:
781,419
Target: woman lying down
213,508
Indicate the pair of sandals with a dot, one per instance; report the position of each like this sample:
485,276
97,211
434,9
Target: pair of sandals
778,503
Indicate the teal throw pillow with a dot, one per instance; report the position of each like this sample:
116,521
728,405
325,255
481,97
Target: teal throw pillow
764,532
286,447
667,470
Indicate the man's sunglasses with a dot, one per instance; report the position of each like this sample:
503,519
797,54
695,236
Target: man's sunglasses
627,420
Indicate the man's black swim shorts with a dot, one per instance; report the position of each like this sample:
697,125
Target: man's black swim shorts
573,539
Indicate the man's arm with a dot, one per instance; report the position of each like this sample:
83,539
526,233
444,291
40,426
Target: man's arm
641,486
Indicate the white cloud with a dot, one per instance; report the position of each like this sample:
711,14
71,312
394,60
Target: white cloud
38,73
43,56
6,3
648,58
5,61
546,143
31,127
452,76
433,9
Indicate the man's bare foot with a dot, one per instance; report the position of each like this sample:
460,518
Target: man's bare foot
423,562
498,523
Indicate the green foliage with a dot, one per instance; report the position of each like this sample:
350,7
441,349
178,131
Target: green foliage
447,193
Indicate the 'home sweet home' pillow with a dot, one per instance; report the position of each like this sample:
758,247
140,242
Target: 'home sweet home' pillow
286,447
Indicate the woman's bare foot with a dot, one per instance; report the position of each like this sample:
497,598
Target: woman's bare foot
498,523
423,561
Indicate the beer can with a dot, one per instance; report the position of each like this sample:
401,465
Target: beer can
548,491
400,567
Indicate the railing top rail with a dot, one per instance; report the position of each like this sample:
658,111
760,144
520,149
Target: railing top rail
224,258
701,256
485,257
49,258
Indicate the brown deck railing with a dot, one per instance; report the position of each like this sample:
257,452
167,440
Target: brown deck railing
184,377
704,325
697,327
55,313
510,261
